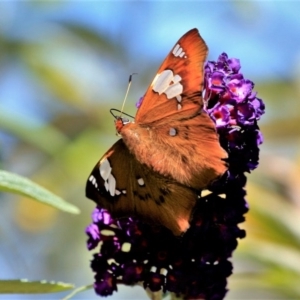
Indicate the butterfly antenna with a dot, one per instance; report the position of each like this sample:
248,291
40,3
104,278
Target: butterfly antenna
112,110
129,84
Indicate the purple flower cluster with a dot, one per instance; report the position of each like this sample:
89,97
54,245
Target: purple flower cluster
236,102
195,266
233,106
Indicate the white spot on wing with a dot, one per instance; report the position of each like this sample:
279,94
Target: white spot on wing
179,107
174,90
155,79
172,132
105,169
175,49
163,81
167,83
176,78
179,98
178,51
141,181
112,185
93,180
109,179
106,185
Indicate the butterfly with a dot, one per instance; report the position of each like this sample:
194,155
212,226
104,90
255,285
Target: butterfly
170,152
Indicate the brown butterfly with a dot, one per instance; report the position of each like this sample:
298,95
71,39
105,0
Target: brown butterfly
169,153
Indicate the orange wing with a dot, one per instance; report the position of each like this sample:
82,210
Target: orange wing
172,134
176,88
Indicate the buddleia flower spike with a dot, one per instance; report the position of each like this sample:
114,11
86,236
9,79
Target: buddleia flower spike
194,265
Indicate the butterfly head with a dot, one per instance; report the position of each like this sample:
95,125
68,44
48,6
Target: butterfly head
120,122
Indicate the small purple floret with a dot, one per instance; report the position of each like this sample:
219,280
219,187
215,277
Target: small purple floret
234,64
139,103
94,236
238,131
216,82
221,115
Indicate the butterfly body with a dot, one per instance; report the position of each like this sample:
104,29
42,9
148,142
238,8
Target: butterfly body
169,153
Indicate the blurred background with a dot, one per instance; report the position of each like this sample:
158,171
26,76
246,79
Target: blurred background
64,64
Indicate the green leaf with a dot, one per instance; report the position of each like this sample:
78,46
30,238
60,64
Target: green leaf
23,286
14,183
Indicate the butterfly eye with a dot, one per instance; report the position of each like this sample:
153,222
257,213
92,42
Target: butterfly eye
125,121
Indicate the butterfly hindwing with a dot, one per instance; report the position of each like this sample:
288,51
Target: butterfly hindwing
176,88
125,187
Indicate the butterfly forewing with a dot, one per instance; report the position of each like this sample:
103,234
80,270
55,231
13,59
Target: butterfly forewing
172,134
176,88
125,187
